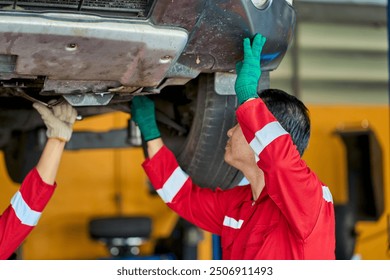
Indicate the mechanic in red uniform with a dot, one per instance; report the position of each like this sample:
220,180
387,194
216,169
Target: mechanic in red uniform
27,204
285,212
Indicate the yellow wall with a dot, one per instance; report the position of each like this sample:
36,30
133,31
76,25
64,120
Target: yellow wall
89,180
326,156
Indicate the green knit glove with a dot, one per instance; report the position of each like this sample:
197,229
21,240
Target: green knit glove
248,70
142,112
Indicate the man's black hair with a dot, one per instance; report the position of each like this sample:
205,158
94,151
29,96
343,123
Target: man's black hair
291,113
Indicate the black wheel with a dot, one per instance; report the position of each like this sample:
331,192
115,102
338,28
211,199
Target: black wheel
22,153
198,137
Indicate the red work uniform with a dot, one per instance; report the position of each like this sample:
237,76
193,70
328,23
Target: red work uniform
293,218
22,215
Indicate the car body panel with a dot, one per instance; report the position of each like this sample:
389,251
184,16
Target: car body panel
130,53
88,46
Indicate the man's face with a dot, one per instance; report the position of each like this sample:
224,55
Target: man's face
238,153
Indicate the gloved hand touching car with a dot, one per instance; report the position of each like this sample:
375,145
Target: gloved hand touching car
59,120
249,71
143,114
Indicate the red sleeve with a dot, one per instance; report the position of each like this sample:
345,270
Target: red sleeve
200,206
23,213
293,187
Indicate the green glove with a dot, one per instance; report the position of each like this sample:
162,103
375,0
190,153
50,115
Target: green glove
142,113
248,70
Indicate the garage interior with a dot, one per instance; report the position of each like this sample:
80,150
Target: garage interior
337,65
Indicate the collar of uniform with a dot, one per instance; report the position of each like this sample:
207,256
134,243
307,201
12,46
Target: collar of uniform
249,197
262,196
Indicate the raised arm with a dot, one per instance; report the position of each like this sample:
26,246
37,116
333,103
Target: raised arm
143,114
59,122
26,207
200,206
293,187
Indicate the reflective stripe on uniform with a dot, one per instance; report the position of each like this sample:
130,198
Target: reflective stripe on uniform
26,215
326,194
173,185
266,135
233,223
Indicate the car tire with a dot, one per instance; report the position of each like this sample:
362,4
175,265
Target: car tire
201,154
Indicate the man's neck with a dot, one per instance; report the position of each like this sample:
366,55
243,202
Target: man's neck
255,176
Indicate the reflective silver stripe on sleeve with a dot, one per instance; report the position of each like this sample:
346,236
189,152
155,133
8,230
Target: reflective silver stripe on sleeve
26,215
266,135
326,194
173,185
233,223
